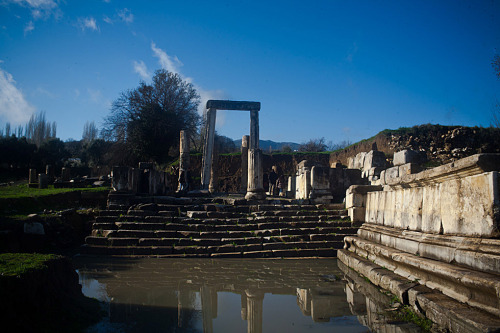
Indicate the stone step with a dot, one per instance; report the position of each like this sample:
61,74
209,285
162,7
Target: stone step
109,212
250,250
477,289
172,239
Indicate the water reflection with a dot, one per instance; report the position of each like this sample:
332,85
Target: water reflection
225,295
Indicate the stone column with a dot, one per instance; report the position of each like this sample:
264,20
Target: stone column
49,171
254,130
32,177
255,188
214,173
183,161
244,163
43,180
208,148
255,302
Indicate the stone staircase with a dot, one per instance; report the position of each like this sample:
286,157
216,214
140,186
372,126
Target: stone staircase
260,230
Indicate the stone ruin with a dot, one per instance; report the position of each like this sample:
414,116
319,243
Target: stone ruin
254,189
66,180
436,234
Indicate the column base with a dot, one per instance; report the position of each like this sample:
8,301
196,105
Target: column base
258,194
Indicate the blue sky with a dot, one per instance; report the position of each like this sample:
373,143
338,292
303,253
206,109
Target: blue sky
342,70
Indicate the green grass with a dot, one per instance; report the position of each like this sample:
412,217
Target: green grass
23,191
17,264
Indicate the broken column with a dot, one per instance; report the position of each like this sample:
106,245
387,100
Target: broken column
208,148
244,163
65,174
320,184
43,180
255,189
183,161
32,177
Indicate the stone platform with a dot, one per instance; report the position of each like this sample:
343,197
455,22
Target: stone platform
433,240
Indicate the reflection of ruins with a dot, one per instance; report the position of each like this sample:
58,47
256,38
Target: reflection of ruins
185,291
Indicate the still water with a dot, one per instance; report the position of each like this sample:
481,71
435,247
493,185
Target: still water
232,295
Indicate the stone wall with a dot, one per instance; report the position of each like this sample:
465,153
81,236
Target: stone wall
440,228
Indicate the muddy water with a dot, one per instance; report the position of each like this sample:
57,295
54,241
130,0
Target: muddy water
230,295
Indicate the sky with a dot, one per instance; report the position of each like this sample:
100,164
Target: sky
341,70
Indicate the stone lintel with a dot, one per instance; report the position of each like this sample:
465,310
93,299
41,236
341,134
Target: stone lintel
363,189
468,166
233,105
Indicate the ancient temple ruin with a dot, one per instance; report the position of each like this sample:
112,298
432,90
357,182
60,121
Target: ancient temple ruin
255,189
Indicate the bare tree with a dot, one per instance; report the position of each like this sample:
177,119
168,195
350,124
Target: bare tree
313,145
147,120
90,132
39,130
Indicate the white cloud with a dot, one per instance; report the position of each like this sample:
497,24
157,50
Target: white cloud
107,20
126,16
29,28
172,64
141,69
166,61
88,23
13,106
39,8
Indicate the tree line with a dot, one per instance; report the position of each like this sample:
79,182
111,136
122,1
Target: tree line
143,125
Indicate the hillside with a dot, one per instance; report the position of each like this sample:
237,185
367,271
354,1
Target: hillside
267,145
442,144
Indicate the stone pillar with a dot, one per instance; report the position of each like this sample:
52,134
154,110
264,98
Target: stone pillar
43,180
254,130
49,171
255,302
65,174
208,148
33,177
291,187
183,161
214,173
255,188
244,163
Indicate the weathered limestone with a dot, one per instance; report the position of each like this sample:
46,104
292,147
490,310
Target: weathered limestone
439,227
303,179
460,198
370,163
208,148
183,162
255,188
355,201
408,156
320,184
244,163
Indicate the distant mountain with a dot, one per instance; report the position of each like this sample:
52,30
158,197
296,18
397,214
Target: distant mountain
265,144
